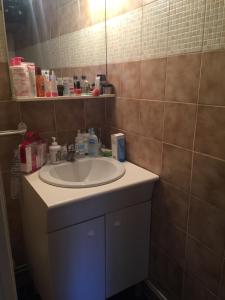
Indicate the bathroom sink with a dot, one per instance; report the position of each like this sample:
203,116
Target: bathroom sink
84,172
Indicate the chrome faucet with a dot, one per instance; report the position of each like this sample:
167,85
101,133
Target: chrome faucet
71,153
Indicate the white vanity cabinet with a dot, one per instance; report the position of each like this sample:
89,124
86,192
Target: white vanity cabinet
77,261
117,243
89,243
127,247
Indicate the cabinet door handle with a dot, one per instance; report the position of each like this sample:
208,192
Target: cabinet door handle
91,233
116,223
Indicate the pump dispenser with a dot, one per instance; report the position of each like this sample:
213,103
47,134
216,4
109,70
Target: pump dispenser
55,152
19,78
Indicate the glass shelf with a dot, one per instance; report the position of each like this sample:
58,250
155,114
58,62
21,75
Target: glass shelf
60,98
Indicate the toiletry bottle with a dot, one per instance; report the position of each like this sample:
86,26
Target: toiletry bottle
92,143
53,85
40,83
46,75
66,90
86,89
97,82
32,78
60,86
118,146
55,152
82,84
85,140
79,144
68,84
78,88
75,79
19,77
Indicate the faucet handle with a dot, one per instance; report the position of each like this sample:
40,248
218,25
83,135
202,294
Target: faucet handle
70,148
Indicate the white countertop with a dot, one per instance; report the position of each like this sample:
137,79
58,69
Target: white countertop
53,196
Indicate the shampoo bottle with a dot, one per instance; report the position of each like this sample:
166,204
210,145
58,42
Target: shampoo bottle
55,152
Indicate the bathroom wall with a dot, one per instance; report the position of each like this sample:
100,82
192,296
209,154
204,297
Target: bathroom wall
55,118
67,35
167,61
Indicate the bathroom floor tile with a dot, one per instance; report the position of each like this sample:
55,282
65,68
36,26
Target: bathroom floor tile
128,295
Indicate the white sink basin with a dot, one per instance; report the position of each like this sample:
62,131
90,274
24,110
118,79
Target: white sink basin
86,172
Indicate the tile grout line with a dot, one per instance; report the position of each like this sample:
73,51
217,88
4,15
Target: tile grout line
173,102
196,152
172,145
192,164
164,115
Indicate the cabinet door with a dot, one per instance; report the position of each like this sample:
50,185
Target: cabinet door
127,247
77,258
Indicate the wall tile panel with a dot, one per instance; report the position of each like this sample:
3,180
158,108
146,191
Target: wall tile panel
186,25
155,29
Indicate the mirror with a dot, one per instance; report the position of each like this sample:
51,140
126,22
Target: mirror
65,35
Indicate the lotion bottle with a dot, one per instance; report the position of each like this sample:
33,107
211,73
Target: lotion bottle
55,152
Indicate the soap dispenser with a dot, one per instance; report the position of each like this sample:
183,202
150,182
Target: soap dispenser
55,152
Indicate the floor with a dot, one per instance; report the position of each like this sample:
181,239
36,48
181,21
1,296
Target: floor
29,294
26,291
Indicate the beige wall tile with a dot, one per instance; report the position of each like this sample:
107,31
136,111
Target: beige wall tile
95,113
114,73
186,25
130,80
210,132
212,88
131,116
176,166
205,264
222,288
114,112
207,224
124,37
118,7
194,290
5,91
182,78
208,180
214,25
171,204
151,119
9,115
169,238
69,115
166,274
155,25
38,116
179,125
153,75
144,152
